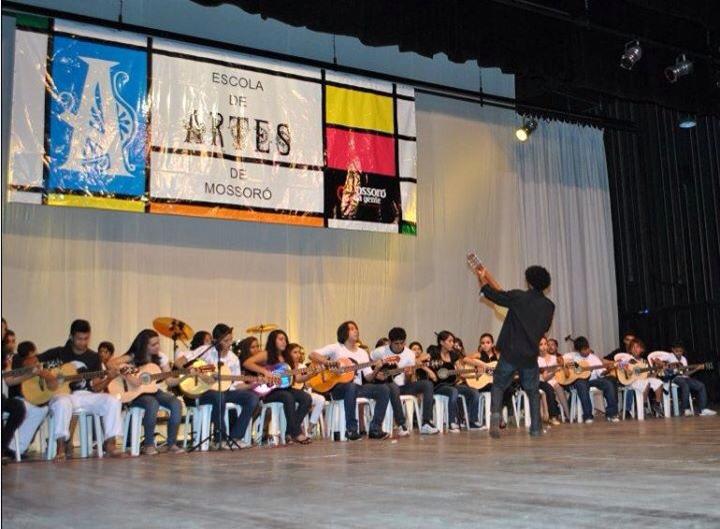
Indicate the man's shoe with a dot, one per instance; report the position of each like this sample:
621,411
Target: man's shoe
378,434
613,419
352,435
689,413
707,412
588,421
149,450
453,428
555,421
428,429
402,431
495,426
476,426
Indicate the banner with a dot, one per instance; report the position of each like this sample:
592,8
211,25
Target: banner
116,120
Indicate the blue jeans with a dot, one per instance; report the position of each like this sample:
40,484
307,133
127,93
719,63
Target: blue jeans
246,399
472,398
609,392
349,392
530,382
151,404
686,385
426,388
294,416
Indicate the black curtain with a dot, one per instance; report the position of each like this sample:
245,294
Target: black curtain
665,193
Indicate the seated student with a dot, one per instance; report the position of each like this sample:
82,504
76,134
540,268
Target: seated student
417,348
87,395
597,380
683,381
246,349
635,357
296,402
347,346
486,353
24,417
549,385
402,383
145,349
627,339
239,393
454,386
297,354
382,342
106,350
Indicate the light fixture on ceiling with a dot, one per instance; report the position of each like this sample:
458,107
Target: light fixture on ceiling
631,55
528,126
681,68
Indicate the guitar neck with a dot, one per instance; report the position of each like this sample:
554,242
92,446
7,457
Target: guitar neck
84,376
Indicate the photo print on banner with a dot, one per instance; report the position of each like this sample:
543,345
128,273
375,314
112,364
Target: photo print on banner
115,120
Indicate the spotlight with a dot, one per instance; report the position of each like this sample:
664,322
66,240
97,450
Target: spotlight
687,122
528,126
681,68
632,54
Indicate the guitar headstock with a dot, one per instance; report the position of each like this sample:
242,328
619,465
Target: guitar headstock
474,261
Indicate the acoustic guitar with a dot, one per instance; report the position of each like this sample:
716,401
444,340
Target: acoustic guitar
570,372
194,385
670,371
475,377
284,376
36,390
344,372
149,375
635,370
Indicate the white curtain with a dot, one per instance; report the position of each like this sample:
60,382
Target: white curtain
566,224
120,270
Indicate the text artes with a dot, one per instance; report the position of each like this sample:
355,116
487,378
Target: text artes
216,129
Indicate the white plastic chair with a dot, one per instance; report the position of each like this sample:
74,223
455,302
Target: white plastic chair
16,436
197,420
412,410
278,423
89,435
335,420
132,421
247,437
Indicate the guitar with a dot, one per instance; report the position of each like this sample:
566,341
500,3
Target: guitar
572,371
36,390
672,370
343,373
196,384
633,371
480,377
285,376
21,371
149,375
393,372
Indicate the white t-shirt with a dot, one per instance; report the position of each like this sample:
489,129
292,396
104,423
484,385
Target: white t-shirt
549,362
664,356
592,360
336,351
407,359
230,360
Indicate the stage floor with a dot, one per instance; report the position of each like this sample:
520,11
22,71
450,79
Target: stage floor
660,474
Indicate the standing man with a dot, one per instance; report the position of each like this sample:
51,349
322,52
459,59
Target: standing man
528,319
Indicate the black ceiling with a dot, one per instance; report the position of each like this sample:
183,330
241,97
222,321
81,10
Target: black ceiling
564,53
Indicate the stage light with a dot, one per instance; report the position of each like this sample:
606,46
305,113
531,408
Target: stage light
681,68
687,122
528,126
631,55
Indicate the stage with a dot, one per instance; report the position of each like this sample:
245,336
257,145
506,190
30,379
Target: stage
659,473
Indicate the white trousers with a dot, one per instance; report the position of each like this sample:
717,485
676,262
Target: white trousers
318,405
34,416
107,406
642,383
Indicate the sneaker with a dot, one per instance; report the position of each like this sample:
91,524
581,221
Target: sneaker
428,429
689,413
555,421
707,412
476,426
453,428
613,419
149,450
175,449
402,431
352,435
588,421
379,435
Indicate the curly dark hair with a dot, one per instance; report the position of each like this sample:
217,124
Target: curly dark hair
537,277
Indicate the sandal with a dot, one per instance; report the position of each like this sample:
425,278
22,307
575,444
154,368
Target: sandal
305,441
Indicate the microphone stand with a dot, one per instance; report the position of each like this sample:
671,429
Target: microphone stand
221,436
